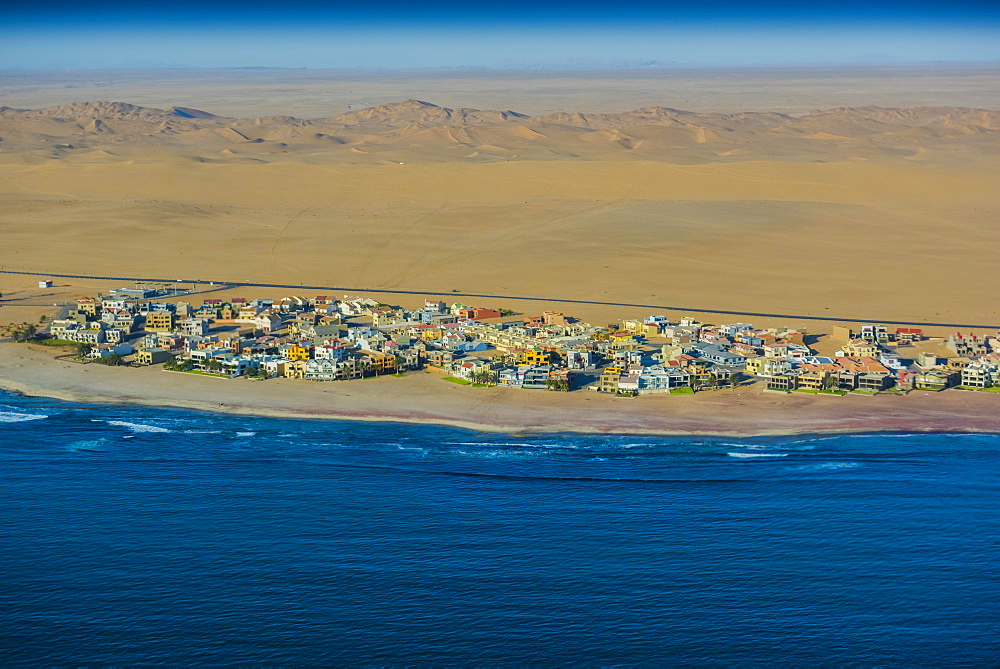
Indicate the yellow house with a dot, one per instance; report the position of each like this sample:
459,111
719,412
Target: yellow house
632,326
755,365
295,369
609,379
159,321
87,305
299,352
536,356
859,348
430,334
152,356
382,363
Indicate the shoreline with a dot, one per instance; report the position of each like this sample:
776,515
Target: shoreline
424,398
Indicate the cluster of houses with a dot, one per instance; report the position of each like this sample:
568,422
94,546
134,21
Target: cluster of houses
329,339
869,361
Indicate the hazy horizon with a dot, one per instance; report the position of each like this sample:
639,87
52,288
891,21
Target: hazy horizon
397,35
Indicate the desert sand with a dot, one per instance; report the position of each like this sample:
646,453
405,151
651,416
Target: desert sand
868,212
423,397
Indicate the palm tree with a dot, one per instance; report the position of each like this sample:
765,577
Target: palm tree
23,332
558,384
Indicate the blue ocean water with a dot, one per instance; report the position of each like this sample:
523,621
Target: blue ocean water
134,535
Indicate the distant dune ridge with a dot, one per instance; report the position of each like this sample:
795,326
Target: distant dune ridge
377,134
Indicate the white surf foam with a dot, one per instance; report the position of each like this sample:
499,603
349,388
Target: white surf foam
14,417
757,455
245,434
87,445
830,466
137,427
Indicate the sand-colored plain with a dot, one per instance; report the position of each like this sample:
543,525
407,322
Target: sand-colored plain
889,240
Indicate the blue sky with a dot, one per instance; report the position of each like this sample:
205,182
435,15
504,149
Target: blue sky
399,34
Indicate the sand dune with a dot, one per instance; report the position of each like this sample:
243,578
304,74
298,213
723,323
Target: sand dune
651,133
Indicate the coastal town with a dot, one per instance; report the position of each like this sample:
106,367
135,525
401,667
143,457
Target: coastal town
326,338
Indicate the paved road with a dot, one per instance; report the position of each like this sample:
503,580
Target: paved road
554,300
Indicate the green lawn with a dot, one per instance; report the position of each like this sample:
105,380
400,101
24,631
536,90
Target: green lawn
681,391
820,392
461,382
56,342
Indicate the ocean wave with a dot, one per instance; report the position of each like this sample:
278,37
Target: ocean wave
514,444
14,417
90,445
757,455
246,434
202,431
137,427
500,453
828,466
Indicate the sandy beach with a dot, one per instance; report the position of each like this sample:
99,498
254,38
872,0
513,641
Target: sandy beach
423,397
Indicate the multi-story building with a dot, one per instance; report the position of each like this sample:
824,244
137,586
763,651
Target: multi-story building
861,348
159,321
971,345
153,356
936,379
981,374
874,334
